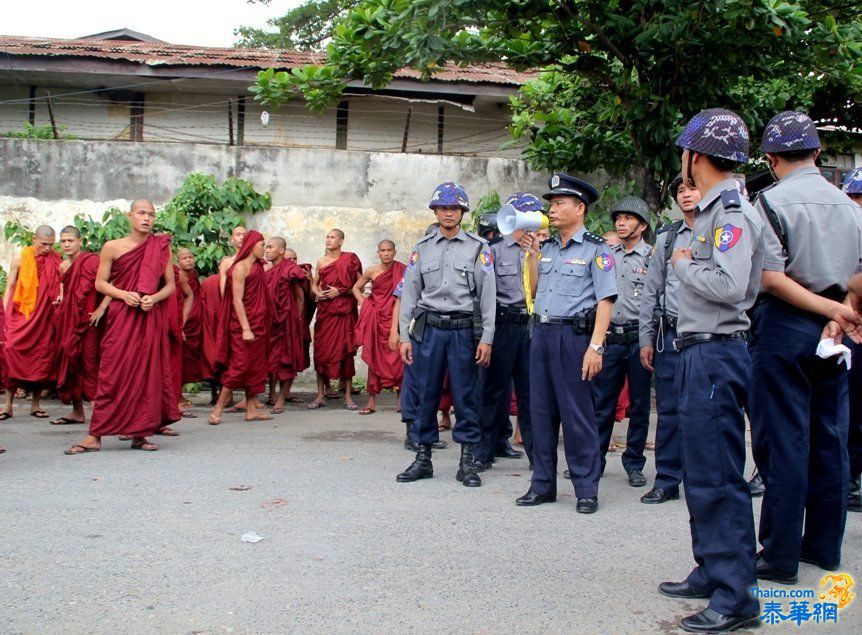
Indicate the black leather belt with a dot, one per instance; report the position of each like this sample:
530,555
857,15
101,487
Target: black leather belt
580,324
450,321
622,333
693,339
512,314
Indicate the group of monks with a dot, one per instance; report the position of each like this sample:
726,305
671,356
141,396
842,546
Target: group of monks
126,328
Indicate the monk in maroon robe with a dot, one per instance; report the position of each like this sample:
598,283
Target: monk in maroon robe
286,355
337,314
244,326
32,294
385,368
177,310
78,331
193,323
135,396
210,309
2,358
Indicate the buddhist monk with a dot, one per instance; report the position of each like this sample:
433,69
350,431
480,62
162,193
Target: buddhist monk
236,238
310,305
285,279
337,314
374,328
210,308
134,396
192,320
2,356
177,311
244,327
32,295
78,333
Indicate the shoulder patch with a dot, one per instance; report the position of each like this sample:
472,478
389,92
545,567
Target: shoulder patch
726,236
487,260
605,261
594,238
414,258
730,199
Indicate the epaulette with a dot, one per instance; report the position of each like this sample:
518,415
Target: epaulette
730,199
426,237
495,240
663,229
593,238
476,237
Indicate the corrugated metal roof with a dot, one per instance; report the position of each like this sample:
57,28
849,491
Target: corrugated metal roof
157,54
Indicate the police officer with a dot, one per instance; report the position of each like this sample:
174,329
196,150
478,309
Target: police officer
622,352
572,278
813,245
510,359
659,314
487,226
853,189
449,298
719,276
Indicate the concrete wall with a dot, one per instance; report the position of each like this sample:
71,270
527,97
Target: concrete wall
370,196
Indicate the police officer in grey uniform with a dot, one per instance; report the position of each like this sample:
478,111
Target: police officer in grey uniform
622,353
447,323
659,314
573,280
719,276
813,245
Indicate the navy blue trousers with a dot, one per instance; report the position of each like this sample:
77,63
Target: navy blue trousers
801,404
510,360
409,398
712,380
668,452
618,362
558,394
854,438
439,350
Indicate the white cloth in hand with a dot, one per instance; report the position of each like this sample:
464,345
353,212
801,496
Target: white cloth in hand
828,348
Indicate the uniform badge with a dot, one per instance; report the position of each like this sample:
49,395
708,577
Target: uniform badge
487,261
414,258
727,236
605,262
701,239
555,181
575,261
640,270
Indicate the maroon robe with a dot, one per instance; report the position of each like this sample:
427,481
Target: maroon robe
245,365
385,368
31,345
175,320
192,331
210,311
286,354
3,372
78,355
135,395
335,327
308,317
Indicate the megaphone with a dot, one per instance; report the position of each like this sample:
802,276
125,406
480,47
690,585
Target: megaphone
510,220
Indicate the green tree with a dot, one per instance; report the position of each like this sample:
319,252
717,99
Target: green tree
618,78
305,28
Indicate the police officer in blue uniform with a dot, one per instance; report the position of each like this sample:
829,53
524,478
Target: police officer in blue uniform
447,323
574,285
510,359
719,276
621,359
659,314
813,245
853,188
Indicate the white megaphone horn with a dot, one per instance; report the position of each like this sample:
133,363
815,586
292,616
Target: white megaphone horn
510,220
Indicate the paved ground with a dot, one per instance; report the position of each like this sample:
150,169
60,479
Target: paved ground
134,542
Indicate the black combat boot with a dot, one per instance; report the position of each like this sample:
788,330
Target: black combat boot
410,444
467,467
420,468
854,500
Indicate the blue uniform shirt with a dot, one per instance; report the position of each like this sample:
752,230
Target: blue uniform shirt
509,270
575,276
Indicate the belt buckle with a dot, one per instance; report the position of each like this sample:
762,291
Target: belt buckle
445,321
677,344
544,318
619,330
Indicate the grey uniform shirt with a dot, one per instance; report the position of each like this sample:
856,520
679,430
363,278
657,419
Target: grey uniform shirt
575,276
822,227
440,274
631,267
662,284
508,271
721,280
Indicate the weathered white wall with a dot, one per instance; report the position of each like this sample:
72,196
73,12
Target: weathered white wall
370,196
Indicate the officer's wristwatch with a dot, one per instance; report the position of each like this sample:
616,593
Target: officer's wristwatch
598,348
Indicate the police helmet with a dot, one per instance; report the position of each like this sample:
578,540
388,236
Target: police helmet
449,195
788,132
716,132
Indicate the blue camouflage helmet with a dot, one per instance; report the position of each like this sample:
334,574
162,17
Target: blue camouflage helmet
449,194
790,131
853,182
718,133
525,202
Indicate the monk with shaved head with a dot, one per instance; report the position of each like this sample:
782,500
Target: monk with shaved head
236,237
192,371
79,317
385,368
135,396
337,313
30,301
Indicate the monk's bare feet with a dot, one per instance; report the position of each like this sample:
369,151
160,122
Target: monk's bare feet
167,432
67,421
2,450
213,420
278,406
257,416
141,443
445,421
6,414
317,403
89,444
349,403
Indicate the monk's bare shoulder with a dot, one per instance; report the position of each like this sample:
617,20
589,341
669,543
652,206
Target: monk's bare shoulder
64,266
373,271
113,247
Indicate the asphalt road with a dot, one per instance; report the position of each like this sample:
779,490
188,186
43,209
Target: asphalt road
133,542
